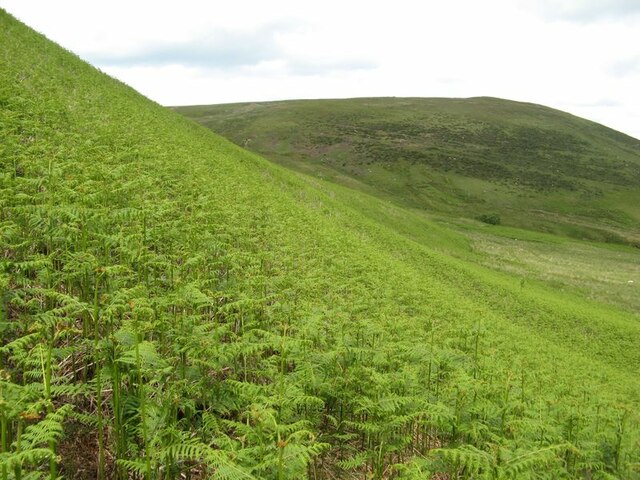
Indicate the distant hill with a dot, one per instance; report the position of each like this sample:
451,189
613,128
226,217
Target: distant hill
529,165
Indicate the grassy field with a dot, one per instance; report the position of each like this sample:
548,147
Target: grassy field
174,306
608,275
533,166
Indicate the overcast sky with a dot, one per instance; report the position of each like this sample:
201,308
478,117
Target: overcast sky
581,56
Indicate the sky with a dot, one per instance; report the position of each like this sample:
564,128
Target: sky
580,56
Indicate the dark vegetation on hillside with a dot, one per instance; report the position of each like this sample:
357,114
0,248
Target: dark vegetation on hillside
174,307
540,158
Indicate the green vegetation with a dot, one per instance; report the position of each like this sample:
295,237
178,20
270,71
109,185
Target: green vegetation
535,167
490,218
597,272
173,306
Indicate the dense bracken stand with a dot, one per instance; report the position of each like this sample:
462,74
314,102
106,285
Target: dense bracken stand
175,307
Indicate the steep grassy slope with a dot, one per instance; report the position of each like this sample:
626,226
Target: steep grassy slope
533,166
173,306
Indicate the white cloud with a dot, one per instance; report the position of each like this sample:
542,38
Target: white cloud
584,10
218,49
566,54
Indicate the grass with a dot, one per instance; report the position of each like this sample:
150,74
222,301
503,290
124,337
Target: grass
536,167
597,272
174,306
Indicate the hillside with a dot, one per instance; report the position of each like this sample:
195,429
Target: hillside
173,306
532,166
